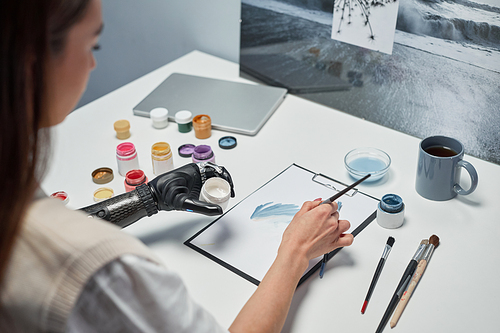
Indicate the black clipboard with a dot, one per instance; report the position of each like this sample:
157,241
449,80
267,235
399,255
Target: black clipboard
246,238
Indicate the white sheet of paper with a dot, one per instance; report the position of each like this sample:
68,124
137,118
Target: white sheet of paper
251,244
377,34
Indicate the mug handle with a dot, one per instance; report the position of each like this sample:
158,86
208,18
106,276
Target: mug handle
473,178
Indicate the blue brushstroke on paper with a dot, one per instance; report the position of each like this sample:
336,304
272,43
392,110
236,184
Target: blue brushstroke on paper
277,213
268,210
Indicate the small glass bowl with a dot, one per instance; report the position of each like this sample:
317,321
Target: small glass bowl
362,161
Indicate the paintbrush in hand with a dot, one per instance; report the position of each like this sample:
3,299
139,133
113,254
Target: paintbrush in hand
329,201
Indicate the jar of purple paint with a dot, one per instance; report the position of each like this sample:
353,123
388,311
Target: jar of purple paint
203,153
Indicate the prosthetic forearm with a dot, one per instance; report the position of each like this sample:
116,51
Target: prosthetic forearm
175,190
125,209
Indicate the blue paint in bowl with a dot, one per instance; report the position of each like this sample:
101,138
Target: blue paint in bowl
361,161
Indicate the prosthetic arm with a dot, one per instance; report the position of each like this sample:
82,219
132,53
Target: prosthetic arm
178,189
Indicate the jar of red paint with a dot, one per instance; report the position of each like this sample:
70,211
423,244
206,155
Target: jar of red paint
134,178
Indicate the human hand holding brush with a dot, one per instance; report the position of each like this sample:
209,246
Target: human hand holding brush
318,229
314,230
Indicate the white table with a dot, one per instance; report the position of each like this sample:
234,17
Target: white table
458,292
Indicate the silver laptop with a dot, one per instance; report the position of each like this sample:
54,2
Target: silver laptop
232,106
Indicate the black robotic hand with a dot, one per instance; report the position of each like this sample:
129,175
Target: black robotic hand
179,189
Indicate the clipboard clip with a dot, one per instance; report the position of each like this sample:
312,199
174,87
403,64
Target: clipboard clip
332,184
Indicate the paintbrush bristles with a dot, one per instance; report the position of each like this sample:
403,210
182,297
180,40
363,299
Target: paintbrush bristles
424,241
434,240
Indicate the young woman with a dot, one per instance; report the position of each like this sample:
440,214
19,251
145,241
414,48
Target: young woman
60,271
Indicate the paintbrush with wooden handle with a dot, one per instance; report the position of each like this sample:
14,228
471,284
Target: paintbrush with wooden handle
433,243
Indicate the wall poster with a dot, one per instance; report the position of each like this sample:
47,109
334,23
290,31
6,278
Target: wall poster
439,75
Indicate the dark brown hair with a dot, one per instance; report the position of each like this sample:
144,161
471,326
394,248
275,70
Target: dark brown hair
31,31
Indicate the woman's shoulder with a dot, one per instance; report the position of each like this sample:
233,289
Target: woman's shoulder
57,251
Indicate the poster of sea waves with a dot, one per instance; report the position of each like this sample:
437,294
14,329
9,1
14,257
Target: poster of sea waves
441,76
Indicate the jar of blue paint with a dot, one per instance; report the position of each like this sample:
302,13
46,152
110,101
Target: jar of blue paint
391,211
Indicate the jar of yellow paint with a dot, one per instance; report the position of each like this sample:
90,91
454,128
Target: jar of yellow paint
161,156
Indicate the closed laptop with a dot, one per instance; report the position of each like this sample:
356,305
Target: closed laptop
232,106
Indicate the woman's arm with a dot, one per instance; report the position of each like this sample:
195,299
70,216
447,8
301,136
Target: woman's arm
313,232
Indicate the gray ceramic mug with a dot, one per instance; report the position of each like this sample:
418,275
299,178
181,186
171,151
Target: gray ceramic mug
440,162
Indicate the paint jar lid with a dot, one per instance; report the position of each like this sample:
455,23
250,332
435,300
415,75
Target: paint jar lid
103,193
186,150
227,142
122,128
61,195
102,175
122,125
159,116
183,117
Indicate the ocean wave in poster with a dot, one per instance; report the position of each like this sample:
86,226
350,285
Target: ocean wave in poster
463,30
460,21
306,11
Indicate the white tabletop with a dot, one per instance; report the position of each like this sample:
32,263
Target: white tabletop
459,288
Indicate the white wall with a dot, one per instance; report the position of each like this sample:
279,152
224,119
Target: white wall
142,35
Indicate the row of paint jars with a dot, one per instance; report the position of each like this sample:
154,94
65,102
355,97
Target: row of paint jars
161,157
215,190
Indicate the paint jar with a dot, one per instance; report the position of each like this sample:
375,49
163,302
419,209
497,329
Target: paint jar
134,178
61,195
103,193
217,191
161,156
184,121
391,211
202,126
122,128
203,153
126,157
159,117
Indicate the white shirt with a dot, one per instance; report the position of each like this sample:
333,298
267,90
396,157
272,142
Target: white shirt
132,294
